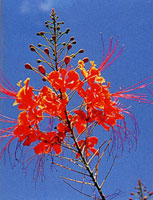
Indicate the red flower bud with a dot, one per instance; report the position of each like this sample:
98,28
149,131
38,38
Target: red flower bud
73,42
69,46
67,30
44,79
46,50
32,48
139,182
71,38
28,66
67,59
38,60
42,69
53,37
85,60
42,32
150,193
81,51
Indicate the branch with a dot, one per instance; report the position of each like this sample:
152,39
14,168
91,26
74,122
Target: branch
81,192
97,165
77,181
108,171
70,169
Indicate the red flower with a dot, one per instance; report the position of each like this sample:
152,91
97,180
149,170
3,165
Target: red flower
62,130
63,80
24,130
93,74
51,103
87,145
49,141
79,121
25,96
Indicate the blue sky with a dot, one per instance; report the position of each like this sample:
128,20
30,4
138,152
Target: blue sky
132,21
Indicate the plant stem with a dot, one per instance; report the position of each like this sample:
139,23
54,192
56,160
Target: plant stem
84,161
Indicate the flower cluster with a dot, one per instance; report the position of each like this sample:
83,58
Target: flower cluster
74,124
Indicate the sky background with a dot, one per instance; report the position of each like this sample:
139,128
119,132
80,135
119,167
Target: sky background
132,21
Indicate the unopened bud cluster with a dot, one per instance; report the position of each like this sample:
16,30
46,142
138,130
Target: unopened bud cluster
141,193
55,54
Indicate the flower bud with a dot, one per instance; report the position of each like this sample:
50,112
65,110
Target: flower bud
44,79
53,37
39,45
28,66
46,50
67,30
53,12
85,60
150,193
69,46
38,60
71,38
42,69
74,42
42,32
67,59
139,182
81,51
32,48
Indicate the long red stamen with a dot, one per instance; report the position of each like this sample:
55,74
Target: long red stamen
103,44
7,129
9,90
7,83
7,119
103,65
140,97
